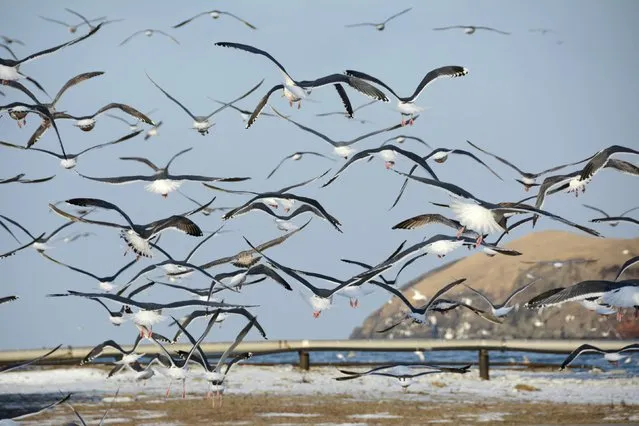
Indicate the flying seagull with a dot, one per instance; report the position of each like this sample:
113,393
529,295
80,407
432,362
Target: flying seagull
611,355
381,25
215,14
485,217
388,153
500,310
345,114
295,91
340,148
86,123
596,163
136,236
149,32
470,29
406,105
610,220
71,160
201,123
528,180
72,27
162,181
296,156
406,375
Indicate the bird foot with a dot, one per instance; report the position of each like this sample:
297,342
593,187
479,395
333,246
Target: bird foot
480,239
460,231
165,195
316,314
299,105
411,121
403,123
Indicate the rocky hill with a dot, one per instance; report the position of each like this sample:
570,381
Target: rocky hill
564,259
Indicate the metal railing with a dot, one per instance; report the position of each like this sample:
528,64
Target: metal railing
71,355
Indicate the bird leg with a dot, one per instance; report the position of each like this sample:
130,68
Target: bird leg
316,314
460,231
388,165
168,390
403,123
165,195
411,121
480,239
290,103
526,188
183,388
619,316
299,104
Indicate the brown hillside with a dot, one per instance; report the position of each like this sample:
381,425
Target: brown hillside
499,275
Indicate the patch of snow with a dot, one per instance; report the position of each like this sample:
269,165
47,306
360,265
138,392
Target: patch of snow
375,416
287,415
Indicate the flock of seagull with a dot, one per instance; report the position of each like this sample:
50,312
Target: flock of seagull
475,219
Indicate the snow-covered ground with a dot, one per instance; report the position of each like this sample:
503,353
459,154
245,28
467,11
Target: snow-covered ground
614,386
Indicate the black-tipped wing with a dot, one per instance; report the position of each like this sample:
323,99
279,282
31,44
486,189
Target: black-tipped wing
581,349
255,50
261,104
26,363
449,71
626,265
127,109
615,219
58,47
119,140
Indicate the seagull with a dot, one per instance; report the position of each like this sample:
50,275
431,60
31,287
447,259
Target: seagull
128,357
134,125
596,163
136,236
105,282
629,263
10,68
417,315
406,375
247,258
296,156
379,26
485,217
619,294
215,14
71,160
40,243
149,313
615,220
470,29
71,27
9,40
162,181
388,153
340,148
528,180
201,123
295,91
266,200
322,298
611,355
214,375
149,32
406,105
86,123
175,369
611,223
501,310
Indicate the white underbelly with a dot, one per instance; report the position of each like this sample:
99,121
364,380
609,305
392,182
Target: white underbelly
444,247
68,163
408,108
475,217
9,73
138,244
163,186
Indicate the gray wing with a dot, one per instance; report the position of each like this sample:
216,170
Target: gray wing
120,180
181,24
596,209
398,14
95,202
127,109
261,104
427,219
119,140
257,51
449,71
172,98
26,363
224,105
581,349
73,81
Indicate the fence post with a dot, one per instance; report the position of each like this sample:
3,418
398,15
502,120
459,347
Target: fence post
483,364
305,360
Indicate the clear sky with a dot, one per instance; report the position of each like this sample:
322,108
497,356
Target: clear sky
534,101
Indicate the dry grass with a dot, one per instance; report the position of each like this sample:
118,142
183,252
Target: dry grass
263,409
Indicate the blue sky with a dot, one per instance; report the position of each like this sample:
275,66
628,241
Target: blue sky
534,101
